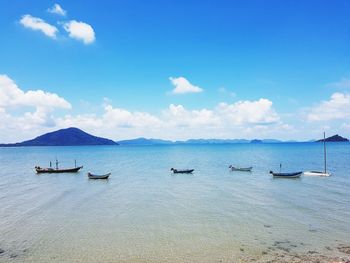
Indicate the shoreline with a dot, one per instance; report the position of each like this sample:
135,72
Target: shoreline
279,252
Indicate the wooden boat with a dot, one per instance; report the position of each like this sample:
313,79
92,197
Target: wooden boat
94,176
319,173
286,175
186,171
241,169
40,170
51,170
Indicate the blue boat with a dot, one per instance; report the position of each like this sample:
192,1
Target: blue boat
286,175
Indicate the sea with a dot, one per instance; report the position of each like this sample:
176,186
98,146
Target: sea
144,213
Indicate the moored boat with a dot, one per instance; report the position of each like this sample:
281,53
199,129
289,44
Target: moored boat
316,173
51,170
241,169
95,176
319,173
286,175
40,170
185,171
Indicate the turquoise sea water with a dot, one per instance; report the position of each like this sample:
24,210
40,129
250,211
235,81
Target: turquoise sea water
143,213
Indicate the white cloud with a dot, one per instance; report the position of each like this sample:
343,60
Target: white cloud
12,95
31,113
57,9
80,31
178,116
39,24
254,112
182,86
338,107
26,114
177,122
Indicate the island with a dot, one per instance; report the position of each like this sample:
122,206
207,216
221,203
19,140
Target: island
334,138
65,137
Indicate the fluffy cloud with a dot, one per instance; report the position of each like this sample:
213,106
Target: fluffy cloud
254,112
12,95
57,9
177,122
338,107
39,24
80,31
178,116
182,86
31,112
26,113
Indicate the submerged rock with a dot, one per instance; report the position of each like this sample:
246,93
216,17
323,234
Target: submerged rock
344,249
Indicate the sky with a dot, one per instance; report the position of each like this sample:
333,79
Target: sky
175,69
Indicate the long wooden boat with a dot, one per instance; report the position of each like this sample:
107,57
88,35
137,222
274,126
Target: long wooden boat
286,175
94,176
241,169
40,170
186,171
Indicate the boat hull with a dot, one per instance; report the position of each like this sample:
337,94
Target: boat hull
248,169
316,173
183,171
56,171
93,176
286,175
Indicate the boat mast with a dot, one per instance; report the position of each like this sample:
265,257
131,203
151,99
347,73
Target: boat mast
324,152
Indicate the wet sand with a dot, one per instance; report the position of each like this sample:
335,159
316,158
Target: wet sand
278,252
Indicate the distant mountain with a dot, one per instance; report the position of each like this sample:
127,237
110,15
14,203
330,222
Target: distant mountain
212,141
144,141
335,138
271,141
256,141
64,137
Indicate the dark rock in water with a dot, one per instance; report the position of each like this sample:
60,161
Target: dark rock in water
312,252
2,251
13,256
264,253
241,249
267,226
285,249
335,138
344,249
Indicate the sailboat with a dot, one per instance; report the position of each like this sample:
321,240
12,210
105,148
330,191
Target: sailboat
324,172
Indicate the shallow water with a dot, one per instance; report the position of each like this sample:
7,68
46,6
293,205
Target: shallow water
143,213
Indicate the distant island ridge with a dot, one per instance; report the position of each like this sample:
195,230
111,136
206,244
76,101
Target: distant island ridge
64,137
75,137
334,138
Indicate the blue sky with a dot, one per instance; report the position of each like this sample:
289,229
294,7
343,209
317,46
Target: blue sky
293,54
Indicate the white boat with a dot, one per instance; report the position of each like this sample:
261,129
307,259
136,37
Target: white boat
319,173
316,173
